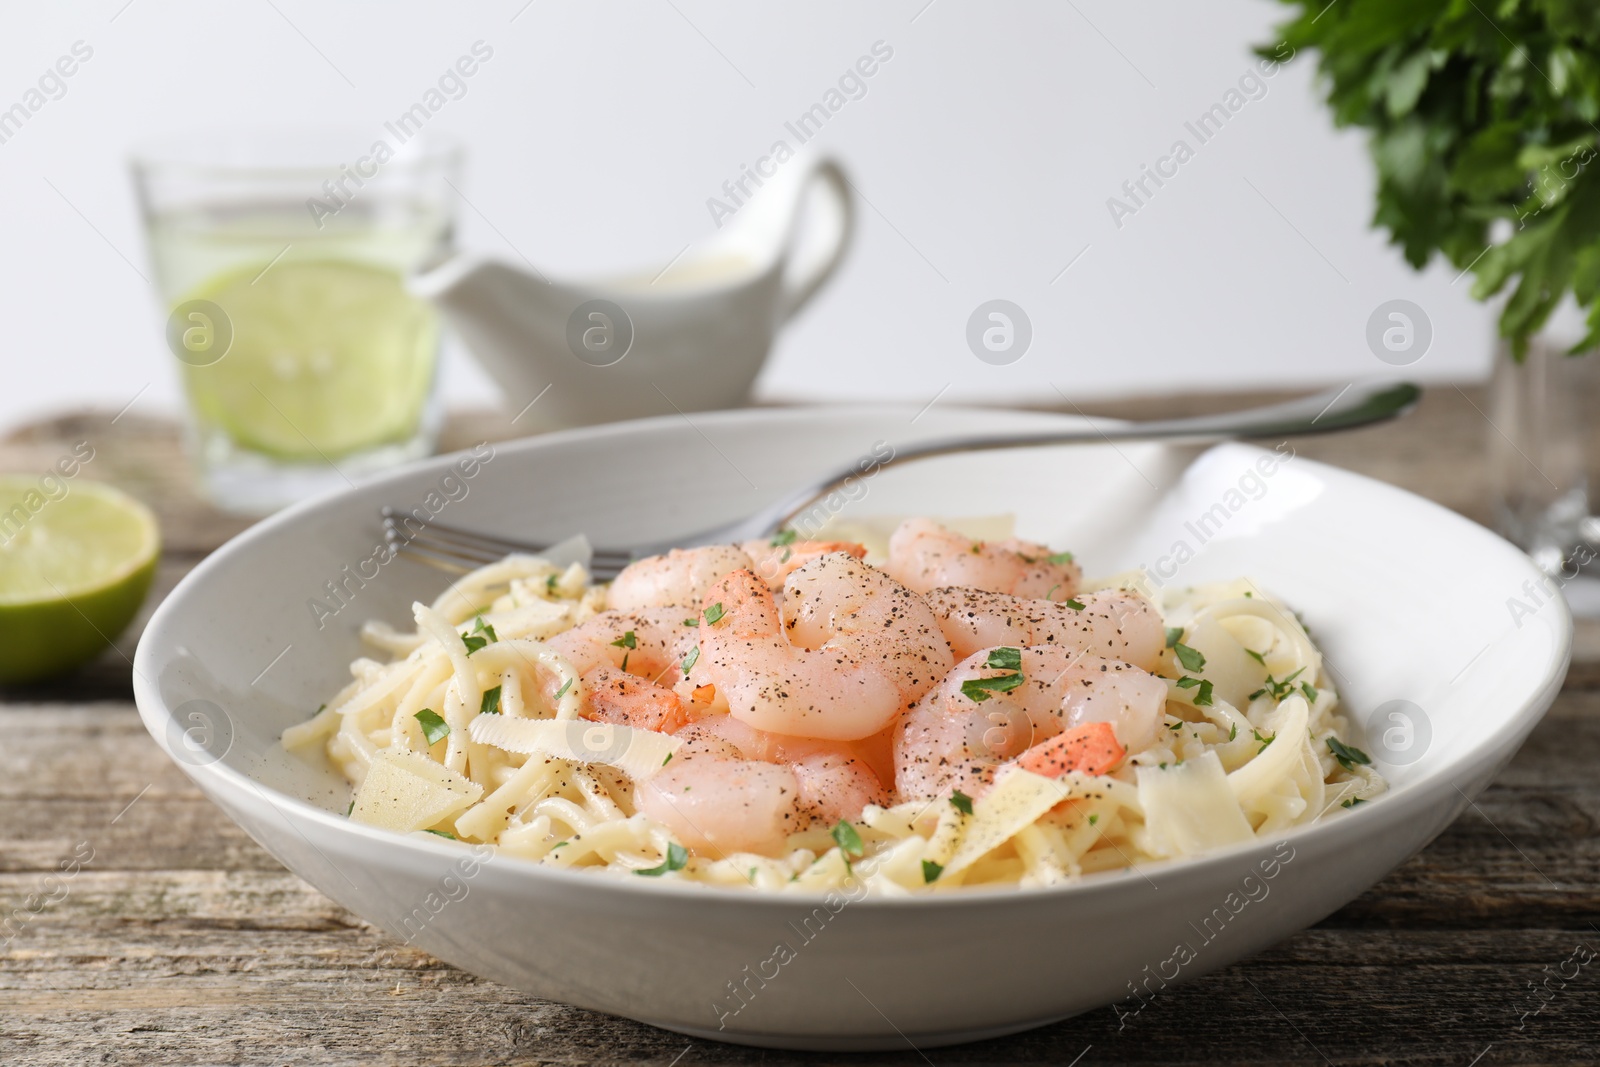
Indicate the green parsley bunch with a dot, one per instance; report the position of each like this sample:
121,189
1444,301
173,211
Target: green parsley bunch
1479,110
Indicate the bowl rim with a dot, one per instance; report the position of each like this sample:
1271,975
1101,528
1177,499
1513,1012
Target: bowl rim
1394,809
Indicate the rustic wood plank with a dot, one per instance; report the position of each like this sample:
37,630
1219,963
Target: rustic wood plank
190,996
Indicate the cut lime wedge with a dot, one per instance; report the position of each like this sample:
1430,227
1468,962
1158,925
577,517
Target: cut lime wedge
328,357
74,569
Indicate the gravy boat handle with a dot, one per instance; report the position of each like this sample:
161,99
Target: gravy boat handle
818,237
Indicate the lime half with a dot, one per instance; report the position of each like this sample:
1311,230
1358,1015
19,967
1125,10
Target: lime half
76,559
328,357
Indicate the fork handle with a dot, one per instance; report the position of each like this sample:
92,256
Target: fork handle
1325,412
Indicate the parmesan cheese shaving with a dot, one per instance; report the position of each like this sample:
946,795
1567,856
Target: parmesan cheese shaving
1016,800
1188,808
407,791
637,753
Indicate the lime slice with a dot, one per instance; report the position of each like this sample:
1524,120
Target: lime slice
328,357
74,569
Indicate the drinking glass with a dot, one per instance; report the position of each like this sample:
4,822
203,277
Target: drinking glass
1544,446
280,261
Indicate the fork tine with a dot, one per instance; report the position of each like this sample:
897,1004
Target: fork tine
393,519
457,565
478,554
435,548
499,546
421,554
486,550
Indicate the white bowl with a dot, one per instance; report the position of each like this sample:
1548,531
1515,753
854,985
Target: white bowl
1410,602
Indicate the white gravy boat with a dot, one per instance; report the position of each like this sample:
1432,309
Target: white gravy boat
691,337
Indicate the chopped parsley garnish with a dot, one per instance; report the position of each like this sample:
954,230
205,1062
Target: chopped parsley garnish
691,622
667,760
490,704
1202,699
1233,731
481,635
1310,692
1265,741
677,859
1352,802
1094,818
627,640
1347,755
690,660
849,842
786,554
320,709
1005,658
931,871
783,537
441,833
980,689
1074,604
1051,595
1174,635
350,810
1279,690
1258,657
1059,558
961,802
434,728
714,613
550,583
1191,658
564,687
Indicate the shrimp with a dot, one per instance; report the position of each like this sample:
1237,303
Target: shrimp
852,649
679,579
959,735
682,577
732,788
650,642
731,736
775,559
1113,623
924,555
617,697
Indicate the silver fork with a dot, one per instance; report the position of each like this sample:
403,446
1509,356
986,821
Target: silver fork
459,550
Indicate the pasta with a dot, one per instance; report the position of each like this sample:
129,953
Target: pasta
476,728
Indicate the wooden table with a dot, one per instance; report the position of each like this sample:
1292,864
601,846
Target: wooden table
182,942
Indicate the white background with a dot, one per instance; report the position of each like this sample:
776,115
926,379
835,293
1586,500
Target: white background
987,148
